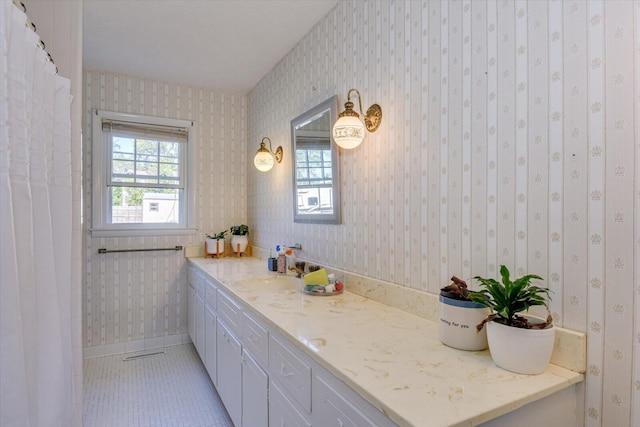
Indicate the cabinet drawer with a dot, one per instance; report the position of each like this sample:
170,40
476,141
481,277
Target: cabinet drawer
230,313
255,339
282,413
197,281
210,294
332,409
290,371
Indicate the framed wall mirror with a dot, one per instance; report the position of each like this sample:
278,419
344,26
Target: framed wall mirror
316,181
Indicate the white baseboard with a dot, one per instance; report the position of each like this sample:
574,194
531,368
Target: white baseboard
139,345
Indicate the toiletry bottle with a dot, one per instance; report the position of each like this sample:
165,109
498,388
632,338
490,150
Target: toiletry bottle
282,261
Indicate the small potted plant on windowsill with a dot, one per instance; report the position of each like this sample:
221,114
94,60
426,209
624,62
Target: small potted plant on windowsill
215,243
459,316
239,238
518,343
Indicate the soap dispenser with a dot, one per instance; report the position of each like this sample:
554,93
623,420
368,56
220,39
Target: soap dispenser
282,260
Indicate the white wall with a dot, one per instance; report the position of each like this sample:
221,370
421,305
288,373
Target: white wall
139,299
510,136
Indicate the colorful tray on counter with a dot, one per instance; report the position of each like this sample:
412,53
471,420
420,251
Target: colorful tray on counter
308,289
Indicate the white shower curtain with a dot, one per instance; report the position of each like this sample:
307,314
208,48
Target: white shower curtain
35,232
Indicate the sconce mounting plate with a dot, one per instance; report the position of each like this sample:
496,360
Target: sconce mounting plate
373,118
278,154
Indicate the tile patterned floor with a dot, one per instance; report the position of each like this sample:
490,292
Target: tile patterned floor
165,390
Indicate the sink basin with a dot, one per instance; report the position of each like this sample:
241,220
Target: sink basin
272,282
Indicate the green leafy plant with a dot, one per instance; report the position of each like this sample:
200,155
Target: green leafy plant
240,230
218,236
507,298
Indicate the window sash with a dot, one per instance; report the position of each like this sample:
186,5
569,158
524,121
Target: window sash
140,180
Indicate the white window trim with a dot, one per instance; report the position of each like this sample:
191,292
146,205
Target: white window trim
100,197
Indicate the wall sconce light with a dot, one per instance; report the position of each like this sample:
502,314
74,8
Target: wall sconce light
348,131
265,158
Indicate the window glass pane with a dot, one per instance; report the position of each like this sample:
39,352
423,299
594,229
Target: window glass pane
169,149
168,170
146,169
122,169
315,155
315,172
123,145
302,173
146,147
133,205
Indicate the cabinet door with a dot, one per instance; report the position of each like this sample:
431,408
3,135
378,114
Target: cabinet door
334,409
191,314
255,393
335,404
210,343
229,372
282,412
199,324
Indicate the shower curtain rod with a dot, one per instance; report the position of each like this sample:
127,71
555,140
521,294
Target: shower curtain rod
32,26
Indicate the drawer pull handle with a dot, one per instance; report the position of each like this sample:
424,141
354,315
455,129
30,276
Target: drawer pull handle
340,423
281,422
282,371
252,337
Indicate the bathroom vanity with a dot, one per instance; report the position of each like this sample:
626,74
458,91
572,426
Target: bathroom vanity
279,357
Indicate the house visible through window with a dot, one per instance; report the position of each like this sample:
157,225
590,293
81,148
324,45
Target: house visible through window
144,172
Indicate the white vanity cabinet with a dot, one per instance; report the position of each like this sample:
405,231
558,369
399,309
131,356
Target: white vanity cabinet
262,378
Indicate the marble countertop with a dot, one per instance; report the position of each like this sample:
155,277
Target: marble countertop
393,359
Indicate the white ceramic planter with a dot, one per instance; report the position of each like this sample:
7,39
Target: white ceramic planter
524,351
458,320
211,246
239,240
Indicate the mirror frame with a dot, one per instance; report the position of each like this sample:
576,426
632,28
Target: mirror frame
330,104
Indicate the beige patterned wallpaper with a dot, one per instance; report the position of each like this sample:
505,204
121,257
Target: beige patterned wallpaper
140,298
511,135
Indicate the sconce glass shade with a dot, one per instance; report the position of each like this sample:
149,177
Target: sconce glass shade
348,132
263,161
265,158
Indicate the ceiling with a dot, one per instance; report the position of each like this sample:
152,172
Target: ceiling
222,44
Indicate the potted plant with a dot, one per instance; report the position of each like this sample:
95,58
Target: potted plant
215,243
458,317
518,343
239,239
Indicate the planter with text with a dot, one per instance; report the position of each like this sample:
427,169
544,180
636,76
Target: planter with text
459,317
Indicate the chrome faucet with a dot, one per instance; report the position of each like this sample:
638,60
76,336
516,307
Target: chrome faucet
299,271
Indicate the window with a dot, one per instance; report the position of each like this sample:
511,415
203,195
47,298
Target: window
142,175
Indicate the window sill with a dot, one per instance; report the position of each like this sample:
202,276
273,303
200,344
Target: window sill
136,232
